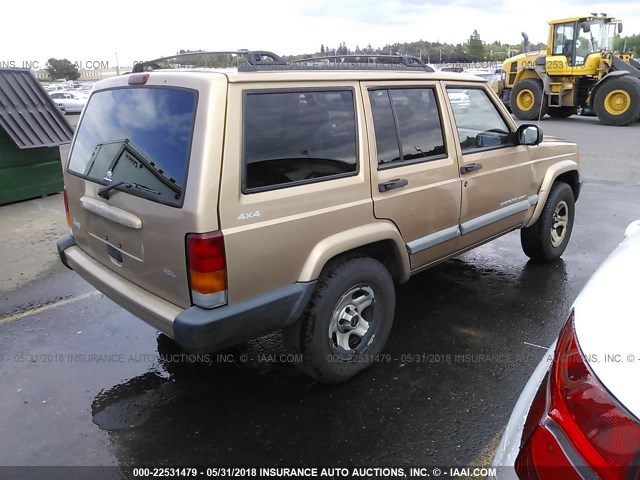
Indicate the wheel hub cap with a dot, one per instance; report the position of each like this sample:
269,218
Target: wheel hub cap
525,100
559,225
617,102
350,319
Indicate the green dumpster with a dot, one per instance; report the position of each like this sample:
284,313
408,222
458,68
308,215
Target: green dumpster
27,173
32,128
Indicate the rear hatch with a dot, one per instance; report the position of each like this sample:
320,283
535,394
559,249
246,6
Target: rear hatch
134,152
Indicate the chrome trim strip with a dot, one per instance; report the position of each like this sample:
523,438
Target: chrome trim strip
496,215
433,239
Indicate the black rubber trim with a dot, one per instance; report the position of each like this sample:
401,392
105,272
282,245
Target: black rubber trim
62,245
199,330
578,190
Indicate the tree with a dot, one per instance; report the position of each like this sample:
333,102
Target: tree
62,69
476,47
322,48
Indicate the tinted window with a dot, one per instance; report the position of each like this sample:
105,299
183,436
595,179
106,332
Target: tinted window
137,135
477,119
385,127
293,137
416,124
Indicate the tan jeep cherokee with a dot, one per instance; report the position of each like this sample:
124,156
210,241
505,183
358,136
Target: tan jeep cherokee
220,206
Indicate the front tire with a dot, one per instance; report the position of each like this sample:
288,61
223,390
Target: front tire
347,322
547,239
527,100
617,101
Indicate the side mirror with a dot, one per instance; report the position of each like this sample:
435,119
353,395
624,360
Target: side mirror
620,27
529,134
586,27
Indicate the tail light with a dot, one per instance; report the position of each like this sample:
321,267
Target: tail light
66,206
207,269
582,426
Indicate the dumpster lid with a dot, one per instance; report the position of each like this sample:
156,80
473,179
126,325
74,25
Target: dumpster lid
28,114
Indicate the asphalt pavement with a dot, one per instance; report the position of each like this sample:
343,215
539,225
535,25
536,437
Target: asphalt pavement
86,383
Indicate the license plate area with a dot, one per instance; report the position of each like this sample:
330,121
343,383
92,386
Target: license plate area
114,253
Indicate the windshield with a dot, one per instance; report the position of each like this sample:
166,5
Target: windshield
600,37
138,135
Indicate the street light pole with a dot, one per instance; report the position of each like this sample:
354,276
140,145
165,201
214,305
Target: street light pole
117,65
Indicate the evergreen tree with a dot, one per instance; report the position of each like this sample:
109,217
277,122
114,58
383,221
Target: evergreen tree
476,47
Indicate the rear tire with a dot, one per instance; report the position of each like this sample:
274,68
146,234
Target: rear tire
347,322
527,100
617,101
547,239
561,112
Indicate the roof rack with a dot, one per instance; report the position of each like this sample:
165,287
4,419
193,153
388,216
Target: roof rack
350,62
260,60
254,58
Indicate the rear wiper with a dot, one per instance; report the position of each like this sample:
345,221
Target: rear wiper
104,191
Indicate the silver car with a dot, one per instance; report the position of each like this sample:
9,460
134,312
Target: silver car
72,102
578,416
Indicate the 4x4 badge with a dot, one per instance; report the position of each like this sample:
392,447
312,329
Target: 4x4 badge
247,216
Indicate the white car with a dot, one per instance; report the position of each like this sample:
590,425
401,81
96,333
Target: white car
460,101
71,102
578,416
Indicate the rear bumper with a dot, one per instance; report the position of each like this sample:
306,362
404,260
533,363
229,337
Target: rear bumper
194,329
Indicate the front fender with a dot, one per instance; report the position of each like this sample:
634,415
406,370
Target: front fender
352,239
553,172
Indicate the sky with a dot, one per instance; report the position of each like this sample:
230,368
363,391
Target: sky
35,30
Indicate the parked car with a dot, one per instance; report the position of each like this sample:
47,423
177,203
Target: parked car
459,100
578,416
72,102
219,207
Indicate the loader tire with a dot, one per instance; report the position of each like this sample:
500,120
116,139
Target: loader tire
528,101
617,101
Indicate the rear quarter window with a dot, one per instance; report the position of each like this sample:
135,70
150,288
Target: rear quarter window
297,137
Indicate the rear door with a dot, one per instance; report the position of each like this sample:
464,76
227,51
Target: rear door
139,142
415,179
498,187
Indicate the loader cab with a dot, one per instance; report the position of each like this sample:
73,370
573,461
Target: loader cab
581,42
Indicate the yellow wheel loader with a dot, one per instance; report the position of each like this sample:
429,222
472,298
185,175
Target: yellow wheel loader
577,70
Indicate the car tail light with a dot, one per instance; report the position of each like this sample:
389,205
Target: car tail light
207,269
66,206
581,426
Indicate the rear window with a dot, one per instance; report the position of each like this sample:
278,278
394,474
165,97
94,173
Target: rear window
140,136
298,137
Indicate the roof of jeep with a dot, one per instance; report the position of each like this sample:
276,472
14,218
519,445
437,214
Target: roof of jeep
311,75
177,76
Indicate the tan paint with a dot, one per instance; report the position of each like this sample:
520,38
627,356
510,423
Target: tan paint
301,228
352,239
552,172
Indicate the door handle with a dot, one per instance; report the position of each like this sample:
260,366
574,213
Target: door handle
385,187
472,167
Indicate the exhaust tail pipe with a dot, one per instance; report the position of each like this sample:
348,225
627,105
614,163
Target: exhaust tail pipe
525,42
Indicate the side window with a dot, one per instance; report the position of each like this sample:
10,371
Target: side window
296,137
563,39
478,121
407,125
